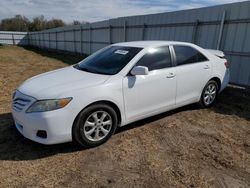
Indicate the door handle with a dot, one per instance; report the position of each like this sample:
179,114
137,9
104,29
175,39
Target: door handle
171,75
206,67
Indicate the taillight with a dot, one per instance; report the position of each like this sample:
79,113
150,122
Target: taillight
227,64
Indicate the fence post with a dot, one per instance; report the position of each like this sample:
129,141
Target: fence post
28,38
39,43
49,41
248,84
143,31
13,39
110,34
81,39
64,40
221,30
90,38
74,39
40,40
44,40
124,30
56,40
195,29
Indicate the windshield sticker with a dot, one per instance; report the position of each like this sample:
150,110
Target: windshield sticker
122,52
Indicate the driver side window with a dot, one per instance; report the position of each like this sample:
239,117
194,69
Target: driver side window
156,58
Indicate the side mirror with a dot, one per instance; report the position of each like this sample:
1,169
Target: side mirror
139,70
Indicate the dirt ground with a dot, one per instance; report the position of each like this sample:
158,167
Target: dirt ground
187,147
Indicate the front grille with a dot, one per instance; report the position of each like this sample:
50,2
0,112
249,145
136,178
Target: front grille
20,101
19,104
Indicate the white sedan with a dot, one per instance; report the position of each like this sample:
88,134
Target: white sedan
115,86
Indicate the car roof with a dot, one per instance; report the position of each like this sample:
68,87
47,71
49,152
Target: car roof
150,43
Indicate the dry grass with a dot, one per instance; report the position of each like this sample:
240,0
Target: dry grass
188,147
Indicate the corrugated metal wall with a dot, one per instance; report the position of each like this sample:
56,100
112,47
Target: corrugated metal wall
14,38
226,27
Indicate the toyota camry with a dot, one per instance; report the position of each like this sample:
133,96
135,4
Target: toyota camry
115,86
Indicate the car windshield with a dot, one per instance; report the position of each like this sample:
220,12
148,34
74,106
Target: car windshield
109,60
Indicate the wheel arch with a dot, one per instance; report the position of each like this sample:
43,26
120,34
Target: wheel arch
218,81
107,102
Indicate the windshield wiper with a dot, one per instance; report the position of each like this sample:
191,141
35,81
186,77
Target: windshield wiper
82,68
88,70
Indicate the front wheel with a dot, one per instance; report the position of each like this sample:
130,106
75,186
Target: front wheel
95,125
209,94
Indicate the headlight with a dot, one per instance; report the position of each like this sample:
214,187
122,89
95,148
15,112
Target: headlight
14,94
48,105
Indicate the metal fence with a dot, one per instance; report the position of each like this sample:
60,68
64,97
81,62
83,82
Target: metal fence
14,38
224,27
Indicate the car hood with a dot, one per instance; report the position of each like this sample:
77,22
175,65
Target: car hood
54,83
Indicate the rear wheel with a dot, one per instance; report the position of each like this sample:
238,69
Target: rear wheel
209,94
95,125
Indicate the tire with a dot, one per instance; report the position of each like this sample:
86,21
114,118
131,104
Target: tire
209,94
94,125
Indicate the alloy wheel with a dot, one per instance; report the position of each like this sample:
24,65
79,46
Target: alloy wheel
97,126
210,94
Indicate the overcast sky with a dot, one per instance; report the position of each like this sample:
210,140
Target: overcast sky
96,10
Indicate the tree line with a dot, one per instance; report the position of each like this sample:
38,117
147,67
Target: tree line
22,23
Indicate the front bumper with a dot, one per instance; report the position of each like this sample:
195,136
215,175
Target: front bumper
57,124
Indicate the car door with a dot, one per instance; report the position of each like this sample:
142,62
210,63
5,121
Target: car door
145,95
193,70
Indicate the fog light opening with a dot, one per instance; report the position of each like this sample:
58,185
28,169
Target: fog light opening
41,134
20,126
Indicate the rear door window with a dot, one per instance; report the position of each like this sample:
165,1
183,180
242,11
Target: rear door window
187,55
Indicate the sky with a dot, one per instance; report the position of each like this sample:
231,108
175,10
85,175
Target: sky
96,10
